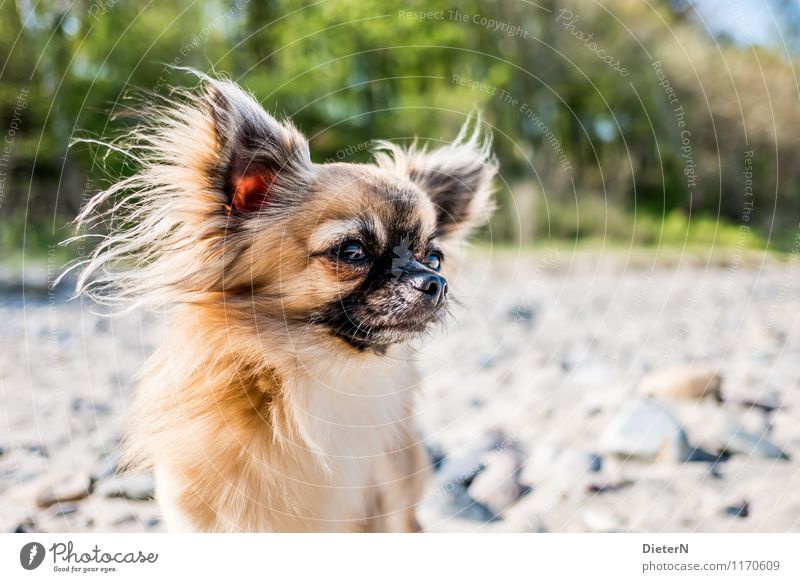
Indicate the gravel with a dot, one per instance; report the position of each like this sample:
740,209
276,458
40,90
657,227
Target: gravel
547,352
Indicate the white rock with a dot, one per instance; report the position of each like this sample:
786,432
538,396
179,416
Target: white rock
683,382
547,460
599,519
645,429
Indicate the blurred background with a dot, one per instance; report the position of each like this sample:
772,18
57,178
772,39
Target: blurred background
625,353
582,96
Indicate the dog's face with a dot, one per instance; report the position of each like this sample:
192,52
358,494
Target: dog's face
355,250
373,264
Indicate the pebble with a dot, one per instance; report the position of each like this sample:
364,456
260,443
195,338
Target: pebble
736,440
455,502
459,477
607,486
683,382
521,388
63,509
126,517
599,519
36,449
739,509
766,403
466,462
700,455
645,429
436,455
521,314
26,526
105,467
135,487
559,463
70,488
497,486
576,460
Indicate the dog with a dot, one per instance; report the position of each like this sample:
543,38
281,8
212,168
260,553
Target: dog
281,397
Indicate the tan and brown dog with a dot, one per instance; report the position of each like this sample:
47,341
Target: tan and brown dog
269,405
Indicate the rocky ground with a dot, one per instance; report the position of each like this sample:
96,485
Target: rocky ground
574,392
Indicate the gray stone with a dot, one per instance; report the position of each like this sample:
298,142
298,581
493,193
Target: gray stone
739,509
645,429
736,440
64,509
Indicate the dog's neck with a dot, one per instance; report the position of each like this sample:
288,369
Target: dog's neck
327,384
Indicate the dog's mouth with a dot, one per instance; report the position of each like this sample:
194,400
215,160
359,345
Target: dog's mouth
363,330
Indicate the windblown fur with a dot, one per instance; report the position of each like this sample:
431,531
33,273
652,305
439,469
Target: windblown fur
281,396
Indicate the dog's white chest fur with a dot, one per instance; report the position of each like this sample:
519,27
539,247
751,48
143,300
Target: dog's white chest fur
352,409
354,414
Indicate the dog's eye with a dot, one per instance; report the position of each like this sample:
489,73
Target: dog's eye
433,260
351,251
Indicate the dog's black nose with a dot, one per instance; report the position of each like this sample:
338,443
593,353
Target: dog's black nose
433,286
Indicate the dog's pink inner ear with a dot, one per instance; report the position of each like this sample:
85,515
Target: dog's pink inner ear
250,190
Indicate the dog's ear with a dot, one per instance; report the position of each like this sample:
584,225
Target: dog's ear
263,163
457,177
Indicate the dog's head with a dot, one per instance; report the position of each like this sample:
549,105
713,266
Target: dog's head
355,250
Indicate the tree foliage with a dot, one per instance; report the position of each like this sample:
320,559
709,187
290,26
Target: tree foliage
623,106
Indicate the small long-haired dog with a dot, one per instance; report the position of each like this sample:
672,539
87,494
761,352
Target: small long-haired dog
269,405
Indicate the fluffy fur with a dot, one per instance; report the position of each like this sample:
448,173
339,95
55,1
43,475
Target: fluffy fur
281,396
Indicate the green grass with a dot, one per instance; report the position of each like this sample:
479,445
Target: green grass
592,226
592,223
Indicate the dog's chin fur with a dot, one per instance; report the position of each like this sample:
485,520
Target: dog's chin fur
281,396
378,333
